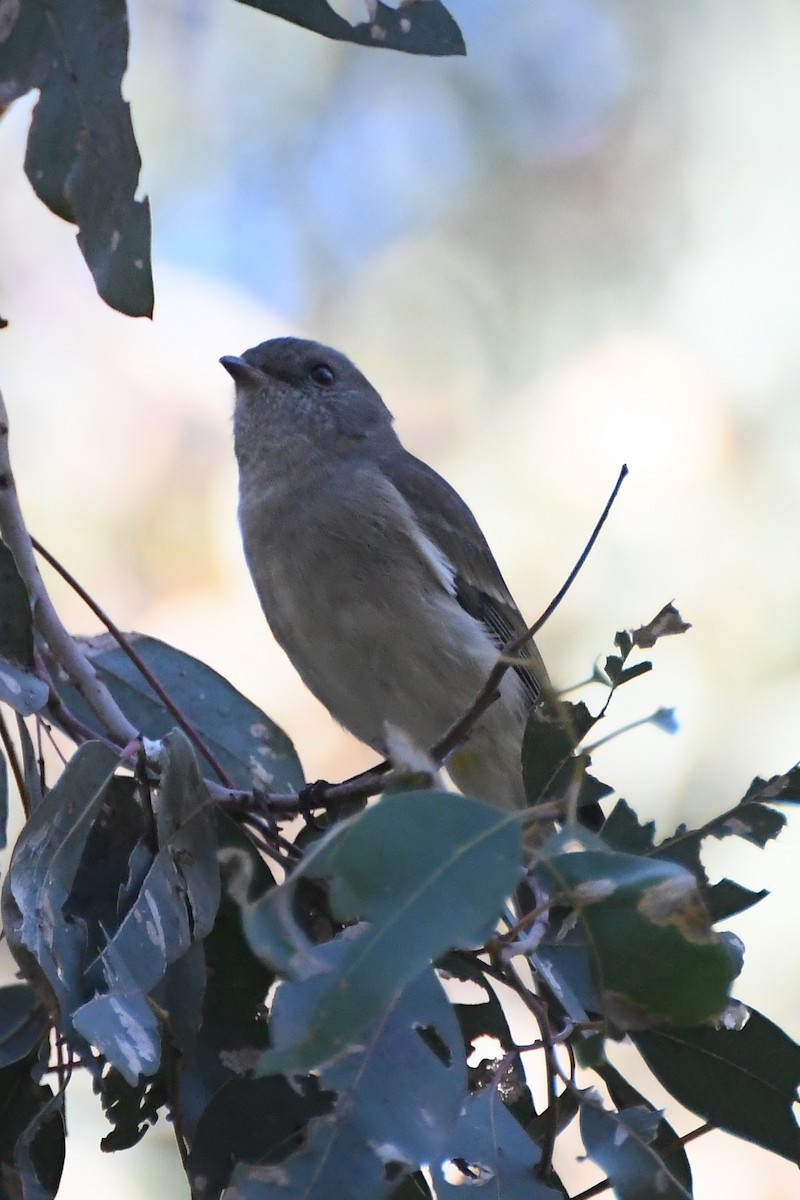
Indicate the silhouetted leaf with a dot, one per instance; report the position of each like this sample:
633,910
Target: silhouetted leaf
416,27
743,1080
43,866
417,896
23,1022
82,158
31,1134
20,687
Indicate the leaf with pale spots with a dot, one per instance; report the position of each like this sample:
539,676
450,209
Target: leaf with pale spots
419,27
653,953
82,158
250,747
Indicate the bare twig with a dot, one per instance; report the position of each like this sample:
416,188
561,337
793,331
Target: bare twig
45,618
490,690
16,766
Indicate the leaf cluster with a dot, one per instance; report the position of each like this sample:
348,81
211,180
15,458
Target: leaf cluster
318,1005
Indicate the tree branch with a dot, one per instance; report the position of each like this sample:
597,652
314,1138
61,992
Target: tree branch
65,650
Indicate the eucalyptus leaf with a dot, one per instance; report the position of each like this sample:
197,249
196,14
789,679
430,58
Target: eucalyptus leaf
622,1144
654,954
250,747
742,1080
82,158
422,27
416,897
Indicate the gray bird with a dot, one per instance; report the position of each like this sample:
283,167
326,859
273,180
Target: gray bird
372,572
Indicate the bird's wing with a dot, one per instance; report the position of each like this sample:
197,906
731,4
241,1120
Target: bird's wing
479,587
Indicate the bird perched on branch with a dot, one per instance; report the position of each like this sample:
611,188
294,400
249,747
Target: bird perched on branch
372,572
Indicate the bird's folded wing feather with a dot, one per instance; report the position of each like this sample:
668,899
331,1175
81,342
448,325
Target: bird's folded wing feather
479,587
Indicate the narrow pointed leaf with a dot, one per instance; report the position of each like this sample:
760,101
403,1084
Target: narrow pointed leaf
82,158
742,1080
621,1143
419,27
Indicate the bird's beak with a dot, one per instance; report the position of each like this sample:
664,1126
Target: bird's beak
241,371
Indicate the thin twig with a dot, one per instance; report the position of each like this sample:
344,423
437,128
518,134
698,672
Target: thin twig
66,651
125,645
16,766
490,690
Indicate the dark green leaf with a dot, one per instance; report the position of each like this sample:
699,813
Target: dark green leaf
413,1187
82,158
23,1022
416,895
399,1092
496,1152
553,731
727,898
253,751
742,1080
16,624
20,687
43,867
622,1145
233,1031
654,955
31,1134
3,801
175,906
252,1121
422,27
30,767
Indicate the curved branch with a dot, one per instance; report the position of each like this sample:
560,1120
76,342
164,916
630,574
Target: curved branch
64,649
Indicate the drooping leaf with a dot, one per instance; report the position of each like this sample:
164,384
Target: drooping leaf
252,749
16,624
416,26
20,687
31,769
233,1031
82,158
51,951
742,1080
491,1151
399,1093
31,1134
416,896
654,954
23,1022
622,1144
175,907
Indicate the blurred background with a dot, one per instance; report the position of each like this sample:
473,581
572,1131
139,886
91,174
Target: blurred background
577,247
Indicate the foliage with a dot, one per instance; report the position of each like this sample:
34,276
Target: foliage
313,990
300,1029
82,159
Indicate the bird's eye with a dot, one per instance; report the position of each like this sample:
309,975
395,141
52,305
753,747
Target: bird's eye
322,374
